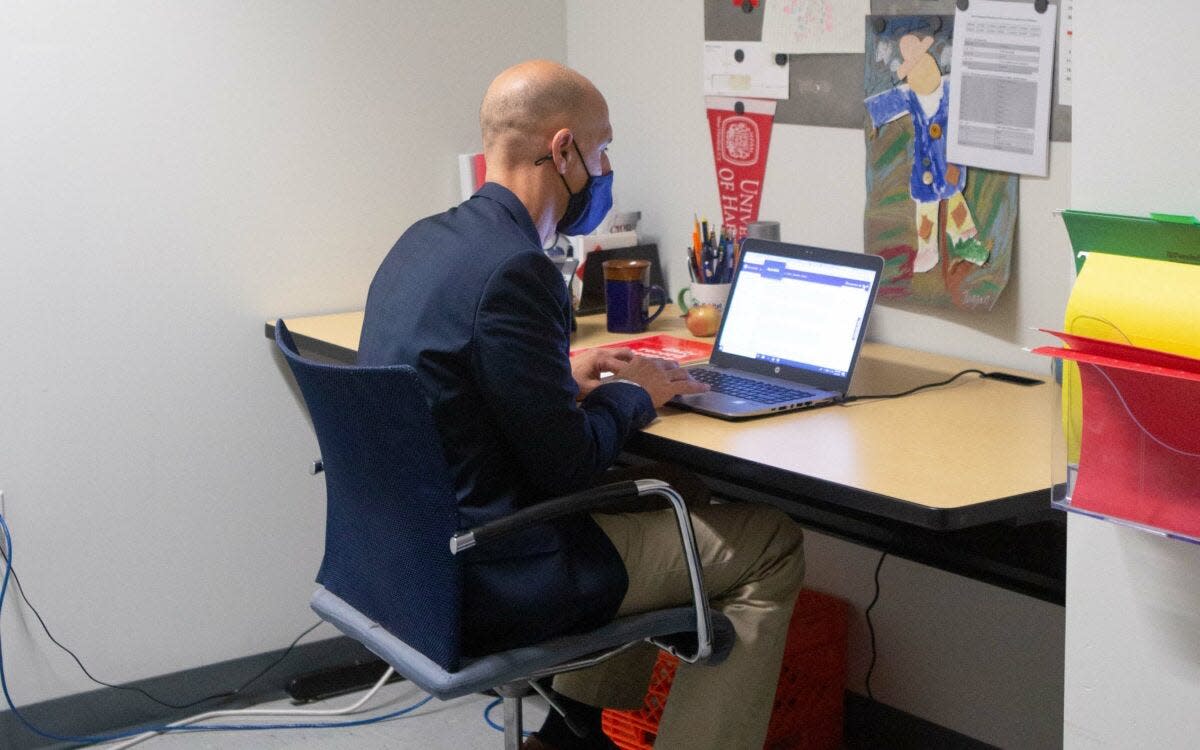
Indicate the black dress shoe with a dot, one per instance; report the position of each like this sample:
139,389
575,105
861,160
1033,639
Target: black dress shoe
533,742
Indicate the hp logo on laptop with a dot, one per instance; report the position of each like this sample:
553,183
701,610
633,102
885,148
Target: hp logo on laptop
776,369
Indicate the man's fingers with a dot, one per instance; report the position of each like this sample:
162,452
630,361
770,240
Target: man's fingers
615,359
664,364
692,386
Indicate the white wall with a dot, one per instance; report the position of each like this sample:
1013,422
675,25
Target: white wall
173,175
1133,600
966,655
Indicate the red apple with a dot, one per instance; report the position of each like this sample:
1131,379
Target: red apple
703,320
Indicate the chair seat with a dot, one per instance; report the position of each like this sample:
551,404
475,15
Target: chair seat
486,672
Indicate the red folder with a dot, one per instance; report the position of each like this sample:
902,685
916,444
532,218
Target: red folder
1139,451
663,346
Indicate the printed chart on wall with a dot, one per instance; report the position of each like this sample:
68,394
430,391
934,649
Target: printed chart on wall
945,230
1000,83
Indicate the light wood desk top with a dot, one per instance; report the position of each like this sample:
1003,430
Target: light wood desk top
971,452
334,336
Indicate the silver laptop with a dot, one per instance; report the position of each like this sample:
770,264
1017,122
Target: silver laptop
793,326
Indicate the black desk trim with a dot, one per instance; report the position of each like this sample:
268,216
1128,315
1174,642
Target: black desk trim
317,348
1015,543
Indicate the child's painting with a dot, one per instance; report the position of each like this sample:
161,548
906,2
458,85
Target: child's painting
944,230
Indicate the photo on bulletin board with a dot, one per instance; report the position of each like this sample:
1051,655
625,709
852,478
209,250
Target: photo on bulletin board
944,230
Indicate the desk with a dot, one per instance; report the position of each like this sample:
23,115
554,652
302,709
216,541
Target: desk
956,477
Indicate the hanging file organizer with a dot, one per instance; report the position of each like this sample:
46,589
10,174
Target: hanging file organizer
1139,447
1132,336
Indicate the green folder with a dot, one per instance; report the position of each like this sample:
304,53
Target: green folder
1157,237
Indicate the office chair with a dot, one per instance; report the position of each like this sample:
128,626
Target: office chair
391,574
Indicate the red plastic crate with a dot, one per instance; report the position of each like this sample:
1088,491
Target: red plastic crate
636,730
809,699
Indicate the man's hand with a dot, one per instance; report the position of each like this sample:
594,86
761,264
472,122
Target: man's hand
587,366
662,378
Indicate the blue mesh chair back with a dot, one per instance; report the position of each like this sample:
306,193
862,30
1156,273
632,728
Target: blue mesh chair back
391,510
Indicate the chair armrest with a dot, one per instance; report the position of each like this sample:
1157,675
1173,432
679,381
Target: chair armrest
585,501
598,498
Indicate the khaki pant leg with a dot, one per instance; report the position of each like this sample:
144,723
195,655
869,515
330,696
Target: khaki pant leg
753,563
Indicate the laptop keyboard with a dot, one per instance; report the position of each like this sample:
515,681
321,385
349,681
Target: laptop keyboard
747,388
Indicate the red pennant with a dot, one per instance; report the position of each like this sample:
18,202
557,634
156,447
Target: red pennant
740,141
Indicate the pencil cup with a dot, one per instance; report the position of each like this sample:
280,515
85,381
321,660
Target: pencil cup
703,294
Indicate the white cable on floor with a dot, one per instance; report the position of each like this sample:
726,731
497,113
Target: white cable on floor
262,712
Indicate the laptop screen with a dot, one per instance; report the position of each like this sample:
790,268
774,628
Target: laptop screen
797,311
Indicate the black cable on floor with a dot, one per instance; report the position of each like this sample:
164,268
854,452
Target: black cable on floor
131,688
871,627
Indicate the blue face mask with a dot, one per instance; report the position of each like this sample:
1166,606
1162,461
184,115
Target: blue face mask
587,208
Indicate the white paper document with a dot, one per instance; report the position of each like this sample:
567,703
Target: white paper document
802,27
1066,41
1000,74
743,69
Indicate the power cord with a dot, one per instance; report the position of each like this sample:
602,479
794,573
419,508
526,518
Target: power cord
216,696
139,735
871,627
184,724
910,391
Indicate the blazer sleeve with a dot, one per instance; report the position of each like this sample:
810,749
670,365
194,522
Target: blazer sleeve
521,356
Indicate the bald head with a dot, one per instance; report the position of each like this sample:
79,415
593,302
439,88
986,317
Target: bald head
529,102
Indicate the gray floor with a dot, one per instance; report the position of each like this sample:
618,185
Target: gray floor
453,725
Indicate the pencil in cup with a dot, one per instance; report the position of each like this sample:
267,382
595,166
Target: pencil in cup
712,259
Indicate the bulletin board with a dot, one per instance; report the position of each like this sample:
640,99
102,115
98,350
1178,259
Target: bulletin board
827,89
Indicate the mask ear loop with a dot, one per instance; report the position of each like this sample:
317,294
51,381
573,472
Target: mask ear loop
542,160
539,162
550,155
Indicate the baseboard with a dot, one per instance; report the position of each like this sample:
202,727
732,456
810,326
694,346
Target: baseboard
871,725
108,710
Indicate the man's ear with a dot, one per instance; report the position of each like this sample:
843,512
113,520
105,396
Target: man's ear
560,148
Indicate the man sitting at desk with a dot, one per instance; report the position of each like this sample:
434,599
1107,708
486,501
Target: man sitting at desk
468,298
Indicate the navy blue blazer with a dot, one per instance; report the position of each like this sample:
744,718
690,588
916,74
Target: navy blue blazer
469,299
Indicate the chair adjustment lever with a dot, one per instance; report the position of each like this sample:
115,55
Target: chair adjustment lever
551,697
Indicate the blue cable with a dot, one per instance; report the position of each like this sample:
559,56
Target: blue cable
8,560
487,716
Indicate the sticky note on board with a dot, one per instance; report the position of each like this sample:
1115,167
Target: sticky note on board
744,69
